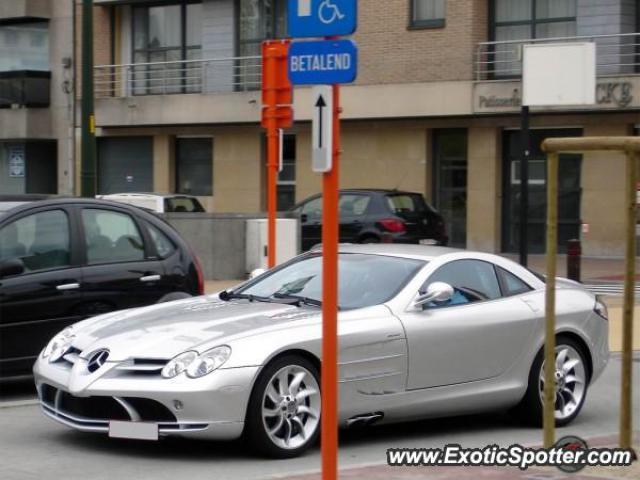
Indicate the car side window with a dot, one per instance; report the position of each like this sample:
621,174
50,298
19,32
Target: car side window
353,205
164,246
511,284
41,241
472,280
111,237
313,209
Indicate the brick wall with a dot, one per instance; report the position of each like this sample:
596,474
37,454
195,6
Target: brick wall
101,39
390,52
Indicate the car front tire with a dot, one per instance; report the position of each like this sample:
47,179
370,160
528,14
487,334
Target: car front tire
283,417
572,379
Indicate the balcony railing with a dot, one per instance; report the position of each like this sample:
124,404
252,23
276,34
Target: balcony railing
218,75
616,55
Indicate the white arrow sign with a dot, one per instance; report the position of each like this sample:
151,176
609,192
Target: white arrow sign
322,131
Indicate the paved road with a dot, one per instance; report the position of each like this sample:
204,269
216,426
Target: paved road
36,448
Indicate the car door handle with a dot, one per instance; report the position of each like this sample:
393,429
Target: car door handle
150,278
68,286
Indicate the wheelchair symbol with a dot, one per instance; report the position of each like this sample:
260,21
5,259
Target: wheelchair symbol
329,13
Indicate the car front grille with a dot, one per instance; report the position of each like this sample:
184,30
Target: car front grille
104,408
93,414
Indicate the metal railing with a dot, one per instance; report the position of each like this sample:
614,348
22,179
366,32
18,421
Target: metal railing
234,74
616,54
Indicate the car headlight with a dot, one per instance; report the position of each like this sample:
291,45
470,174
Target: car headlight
59,345
178,364
601,309
208,362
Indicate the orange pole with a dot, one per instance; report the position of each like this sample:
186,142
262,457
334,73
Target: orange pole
271,100
329,426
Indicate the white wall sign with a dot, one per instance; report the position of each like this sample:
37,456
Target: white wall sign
322,129
16,162
559,74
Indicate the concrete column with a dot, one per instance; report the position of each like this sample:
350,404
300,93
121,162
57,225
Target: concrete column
238,171
163,163
484,189
603,177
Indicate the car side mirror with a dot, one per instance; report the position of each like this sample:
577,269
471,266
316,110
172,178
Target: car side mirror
304,218
11,267
436,292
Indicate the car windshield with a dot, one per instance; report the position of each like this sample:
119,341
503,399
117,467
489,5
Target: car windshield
364,280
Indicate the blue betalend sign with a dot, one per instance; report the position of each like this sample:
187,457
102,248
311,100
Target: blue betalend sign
326,62
322,18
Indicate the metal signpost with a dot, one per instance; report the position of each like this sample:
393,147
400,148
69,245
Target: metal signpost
326,64
552,74
277,114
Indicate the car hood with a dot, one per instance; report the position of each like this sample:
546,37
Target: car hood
166,330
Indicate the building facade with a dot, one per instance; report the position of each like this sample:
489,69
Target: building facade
435,109
36,97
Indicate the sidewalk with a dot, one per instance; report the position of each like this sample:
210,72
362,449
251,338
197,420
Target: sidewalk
385,472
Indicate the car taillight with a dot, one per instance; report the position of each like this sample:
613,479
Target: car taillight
393,225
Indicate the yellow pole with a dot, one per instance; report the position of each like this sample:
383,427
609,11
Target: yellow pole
548,419
627,315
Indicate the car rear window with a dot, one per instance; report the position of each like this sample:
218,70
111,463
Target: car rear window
405,203
182,204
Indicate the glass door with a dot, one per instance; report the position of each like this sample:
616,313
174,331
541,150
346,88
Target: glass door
570,192
450,182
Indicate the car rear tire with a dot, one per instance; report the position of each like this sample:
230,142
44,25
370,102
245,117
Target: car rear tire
283,416
572,379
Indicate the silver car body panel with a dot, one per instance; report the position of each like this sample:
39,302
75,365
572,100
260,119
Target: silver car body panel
393,358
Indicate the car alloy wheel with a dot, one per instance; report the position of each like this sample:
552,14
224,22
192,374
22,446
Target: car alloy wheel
291,407
571,379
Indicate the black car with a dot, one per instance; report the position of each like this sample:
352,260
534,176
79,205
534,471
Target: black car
375,216
63,260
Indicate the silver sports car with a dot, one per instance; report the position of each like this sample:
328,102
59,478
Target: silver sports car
424,332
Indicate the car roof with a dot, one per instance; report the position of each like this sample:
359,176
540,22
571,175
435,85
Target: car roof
22,206
143,194
422,252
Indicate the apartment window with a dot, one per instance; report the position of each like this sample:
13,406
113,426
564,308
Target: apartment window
427,13
24,46
194,166
260,20
287,178
526,19
25,76
167,33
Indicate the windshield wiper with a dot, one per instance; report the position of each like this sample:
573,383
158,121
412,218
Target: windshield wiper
298,298
227,296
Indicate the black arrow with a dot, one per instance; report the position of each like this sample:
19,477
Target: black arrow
320,104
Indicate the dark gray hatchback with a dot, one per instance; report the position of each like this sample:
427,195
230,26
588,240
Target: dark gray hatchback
375,216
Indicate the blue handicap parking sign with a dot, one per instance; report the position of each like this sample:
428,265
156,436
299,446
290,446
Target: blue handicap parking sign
322,18
325,62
